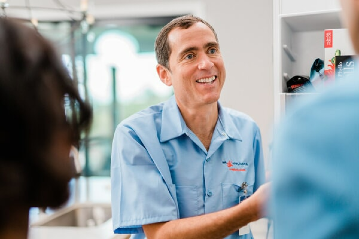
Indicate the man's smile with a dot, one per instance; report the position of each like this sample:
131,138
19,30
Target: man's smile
208,80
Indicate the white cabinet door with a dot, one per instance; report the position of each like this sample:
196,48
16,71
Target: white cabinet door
304,6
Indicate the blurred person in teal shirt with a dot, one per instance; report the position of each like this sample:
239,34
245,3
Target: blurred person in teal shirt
316,160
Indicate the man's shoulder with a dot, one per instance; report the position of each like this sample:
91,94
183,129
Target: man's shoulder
238,122
144,124
151,113
237,116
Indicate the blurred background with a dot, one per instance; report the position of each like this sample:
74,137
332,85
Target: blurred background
108,48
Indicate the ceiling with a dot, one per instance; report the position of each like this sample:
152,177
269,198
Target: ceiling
56,9
66,10
44,10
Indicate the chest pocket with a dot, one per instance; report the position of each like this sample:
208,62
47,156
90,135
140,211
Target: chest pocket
232,194
188,201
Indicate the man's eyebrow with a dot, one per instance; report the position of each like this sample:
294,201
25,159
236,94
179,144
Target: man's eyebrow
212,44
188,50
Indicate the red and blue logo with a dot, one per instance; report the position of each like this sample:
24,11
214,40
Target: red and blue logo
235,166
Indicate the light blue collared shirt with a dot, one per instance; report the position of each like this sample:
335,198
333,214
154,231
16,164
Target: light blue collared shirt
161,171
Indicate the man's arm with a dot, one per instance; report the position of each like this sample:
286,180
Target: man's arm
213,225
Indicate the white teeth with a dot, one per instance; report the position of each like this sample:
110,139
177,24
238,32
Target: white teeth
206,80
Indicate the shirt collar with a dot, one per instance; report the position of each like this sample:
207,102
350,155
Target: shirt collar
227,123
174,126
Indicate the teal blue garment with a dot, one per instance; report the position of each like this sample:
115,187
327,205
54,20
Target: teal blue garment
161,171
315,170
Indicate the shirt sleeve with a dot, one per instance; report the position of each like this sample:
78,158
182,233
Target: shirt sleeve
138,192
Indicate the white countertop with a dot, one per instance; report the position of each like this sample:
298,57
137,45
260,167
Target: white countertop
98,190
83,190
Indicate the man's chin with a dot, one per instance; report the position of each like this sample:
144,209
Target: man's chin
211,99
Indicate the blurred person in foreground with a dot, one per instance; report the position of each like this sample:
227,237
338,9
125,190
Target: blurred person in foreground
35,133
316,160
185,168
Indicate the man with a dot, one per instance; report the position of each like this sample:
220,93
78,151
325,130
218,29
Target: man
316,160
182,169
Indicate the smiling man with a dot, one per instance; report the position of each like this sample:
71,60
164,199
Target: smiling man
188,167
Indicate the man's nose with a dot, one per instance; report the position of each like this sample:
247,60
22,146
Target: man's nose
205,63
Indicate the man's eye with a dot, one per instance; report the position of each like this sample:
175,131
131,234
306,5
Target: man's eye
189,56
212,50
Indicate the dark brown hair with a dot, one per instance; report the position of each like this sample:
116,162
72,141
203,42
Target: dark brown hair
34,87
162,47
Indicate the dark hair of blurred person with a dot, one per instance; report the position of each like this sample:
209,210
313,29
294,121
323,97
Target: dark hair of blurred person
36,133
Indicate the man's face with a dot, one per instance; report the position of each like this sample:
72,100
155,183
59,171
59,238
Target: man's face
197,71
350,16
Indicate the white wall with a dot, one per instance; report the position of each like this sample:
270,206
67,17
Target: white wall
245,33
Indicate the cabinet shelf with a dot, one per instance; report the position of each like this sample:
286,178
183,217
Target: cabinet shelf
313,21
301,37
288,99
298,41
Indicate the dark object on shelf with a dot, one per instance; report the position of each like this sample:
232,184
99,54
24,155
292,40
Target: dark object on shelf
317,77
317,68
300,84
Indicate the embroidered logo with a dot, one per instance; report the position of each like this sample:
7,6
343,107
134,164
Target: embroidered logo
235,166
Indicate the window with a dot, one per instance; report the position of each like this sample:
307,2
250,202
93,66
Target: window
115,69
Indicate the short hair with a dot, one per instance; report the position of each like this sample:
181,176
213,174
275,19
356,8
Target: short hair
34,87
162,47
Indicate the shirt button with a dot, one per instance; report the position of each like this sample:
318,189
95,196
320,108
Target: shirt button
207,159
209,194
223,133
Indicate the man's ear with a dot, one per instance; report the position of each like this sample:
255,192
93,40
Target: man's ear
164,74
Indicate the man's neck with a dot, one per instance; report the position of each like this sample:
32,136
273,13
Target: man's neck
201,121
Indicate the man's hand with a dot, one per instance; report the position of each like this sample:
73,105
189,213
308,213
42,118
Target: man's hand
213,225
259,200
